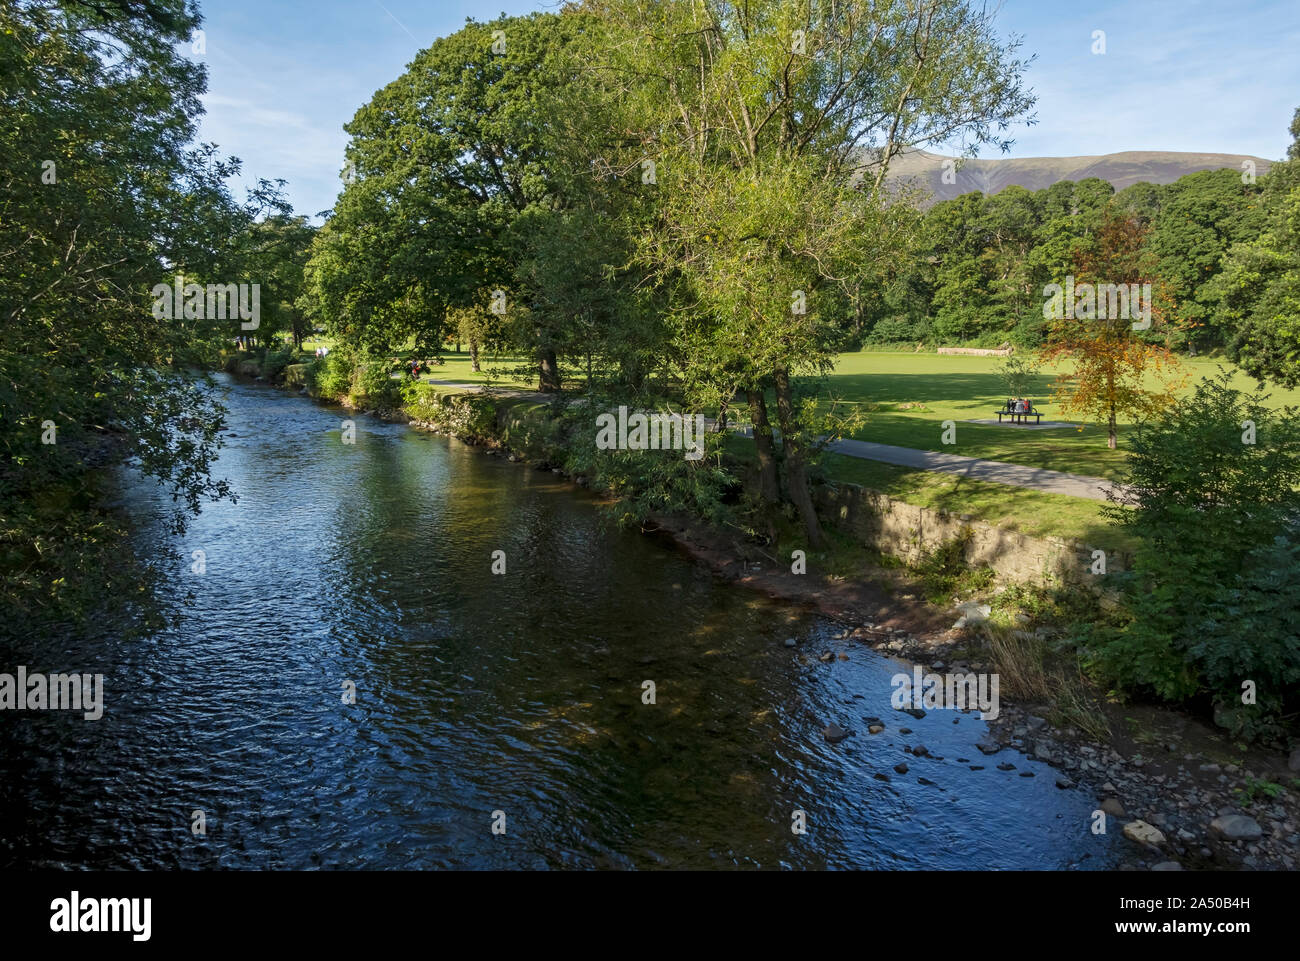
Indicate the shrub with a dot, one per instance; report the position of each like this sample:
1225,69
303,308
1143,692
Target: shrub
275,361
296,375
944,571
893,330
649,481
1212,597
331,376
374,386
1019,373
468,416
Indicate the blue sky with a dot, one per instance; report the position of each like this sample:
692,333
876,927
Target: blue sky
1197,75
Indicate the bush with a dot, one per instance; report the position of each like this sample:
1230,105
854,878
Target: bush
649,481
1212,596
331,376
944,571
468,416
274,362
296,375
893,330
1019,374
374,386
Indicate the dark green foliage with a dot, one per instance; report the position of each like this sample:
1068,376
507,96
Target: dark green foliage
945,572
103,196
1212,596
1257,294
977,276
649,481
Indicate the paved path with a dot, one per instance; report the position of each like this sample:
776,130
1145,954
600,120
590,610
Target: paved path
998,472
976,468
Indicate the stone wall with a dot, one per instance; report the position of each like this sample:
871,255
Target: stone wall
908,532
976,351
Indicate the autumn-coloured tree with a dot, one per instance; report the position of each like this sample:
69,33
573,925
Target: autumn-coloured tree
1094,320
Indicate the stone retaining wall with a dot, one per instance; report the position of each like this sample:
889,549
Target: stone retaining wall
909,532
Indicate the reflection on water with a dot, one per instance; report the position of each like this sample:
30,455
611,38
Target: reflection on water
519,693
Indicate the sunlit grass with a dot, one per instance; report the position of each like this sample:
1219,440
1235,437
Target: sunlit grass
962,388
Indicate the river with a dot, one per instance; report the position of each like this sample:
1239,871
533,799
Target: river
518,693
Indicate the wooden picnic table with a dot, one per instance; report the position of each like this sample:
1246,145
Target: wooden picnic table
1019,416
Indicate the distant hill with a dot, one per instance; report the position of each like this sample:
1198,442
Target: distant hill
1034,173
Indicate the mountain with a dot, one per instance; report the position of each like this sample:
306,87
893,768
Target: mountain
919,168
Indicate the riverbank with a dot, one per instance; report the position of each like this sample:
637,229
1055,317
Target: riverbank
1180,792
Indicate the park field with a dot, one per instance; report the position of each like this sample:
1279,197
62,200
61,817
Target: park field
906,397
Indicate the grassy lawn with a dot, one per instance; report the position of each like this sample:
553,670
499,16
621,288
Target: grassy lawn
960,388
457,369
497,371
1013,508
906,397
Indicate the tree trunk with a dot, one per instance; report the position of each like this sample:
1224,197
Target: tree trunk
473,354
769,485
796,476
548,379
1110,436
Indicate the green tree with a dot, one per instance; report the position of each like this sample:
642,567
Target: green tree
770,122
451,167
1201,216
1211,491
1258,291
274,253
102,196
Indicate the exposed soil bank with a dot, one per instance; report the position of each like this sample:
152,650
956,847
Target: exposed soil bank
1177,788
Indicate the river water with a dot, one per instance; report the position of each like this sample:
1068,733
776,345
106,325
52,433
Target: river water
483,699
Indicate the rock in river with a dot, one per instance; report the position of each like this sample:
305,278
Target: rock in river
1143,833
834,733
1236,827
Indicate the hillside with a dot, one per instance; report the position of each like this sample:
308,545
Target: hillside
1034,173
